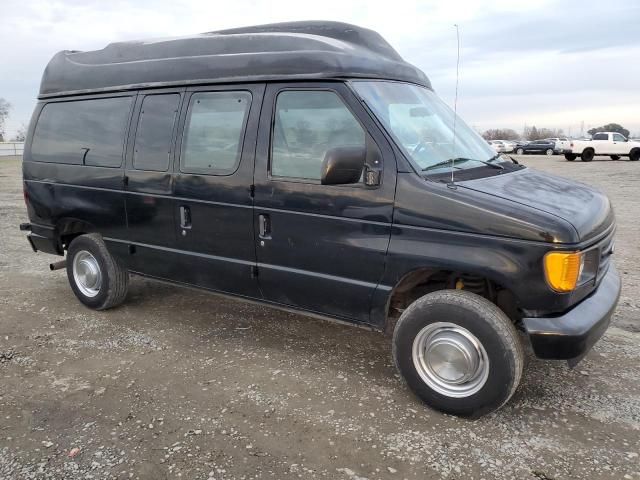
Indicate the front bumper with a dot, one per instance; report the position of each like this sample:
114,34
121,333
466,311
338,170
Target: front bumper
571,335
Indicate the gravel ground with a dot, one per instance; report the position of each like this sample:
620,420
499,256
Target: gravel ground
183,384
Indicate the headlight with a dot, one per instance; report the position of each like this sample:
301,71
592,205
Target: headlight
590,264
563,269
567,270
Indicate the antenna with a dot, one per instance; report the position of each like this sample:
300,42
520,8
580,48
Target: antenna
455,103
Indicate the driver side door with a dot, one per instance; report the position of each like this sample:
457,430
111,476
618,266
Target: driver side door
321,248
619,145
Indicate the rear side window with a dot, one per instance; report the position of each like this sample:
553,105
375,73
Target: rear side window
601,136
214,132
89,132
155,130
306,125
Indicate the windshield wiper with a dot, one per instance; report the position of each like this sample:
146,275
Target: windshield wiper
452,162
488,162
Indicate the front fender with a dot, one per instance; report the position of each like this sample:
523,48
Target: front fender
510,263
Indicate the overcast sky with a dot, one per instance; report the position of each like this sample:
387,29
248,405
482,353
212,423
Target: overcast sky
538,62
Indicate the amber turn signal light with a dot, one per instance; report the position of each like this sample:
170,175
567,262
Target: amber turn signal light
562,270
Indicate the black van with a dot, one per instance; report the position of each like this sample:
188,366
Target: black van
307,166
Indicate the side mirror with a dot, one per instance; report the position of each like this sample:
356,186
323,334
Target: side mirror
342,165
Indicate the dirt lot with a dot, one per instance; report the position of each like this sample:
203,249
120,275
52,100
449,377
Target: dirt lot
183,384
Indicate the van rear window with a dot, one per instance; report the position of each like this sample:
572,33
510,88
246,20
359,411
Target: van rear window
82,132
214,132
154,134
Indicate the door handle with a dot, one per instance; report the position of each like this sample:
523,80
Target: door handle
264,226
185,217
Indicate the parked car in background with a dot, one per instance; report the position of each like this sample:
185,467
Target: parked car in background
509,146
561,143
538,146
497,145
502,146
612,144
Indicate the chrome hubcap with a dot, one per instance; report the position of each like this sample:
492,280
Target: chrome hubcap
86,273
450,359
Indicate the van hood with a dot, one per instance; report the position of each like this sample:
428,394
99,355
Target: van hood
586,208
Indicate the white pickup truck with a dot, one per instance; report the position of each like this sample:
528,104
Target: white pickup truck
562,143
612,144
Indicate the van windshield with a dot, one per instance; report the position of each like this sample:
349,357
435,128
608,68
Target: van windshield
423,126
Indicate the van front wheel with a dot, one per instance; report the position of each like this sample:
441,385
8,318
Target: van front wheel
458,352
96,278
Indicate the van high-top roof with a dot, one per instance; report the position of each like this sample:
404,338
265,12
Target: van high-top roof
280,51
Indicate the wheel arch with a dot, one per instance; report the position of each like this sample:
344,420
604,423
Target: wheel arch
425,279
70,228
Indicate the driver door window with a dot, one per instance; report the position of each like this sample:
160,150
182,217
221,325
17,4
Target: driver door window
306,125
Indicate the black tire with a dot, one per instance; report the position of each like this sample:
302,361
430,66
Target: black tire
114,283
587,155
519,151
549,151
570,156
615,157
634,155
487,323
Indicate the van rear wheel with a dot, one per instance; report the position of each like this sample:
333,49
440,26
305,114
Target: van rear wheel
96,278
458,352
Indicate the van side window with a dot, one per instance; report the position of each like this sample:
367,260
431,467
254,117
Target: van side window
82,132
307,123
155,128
214,132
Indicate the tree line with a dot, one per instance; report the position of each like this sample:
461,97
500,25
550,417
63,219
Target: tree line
5,108
533,133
